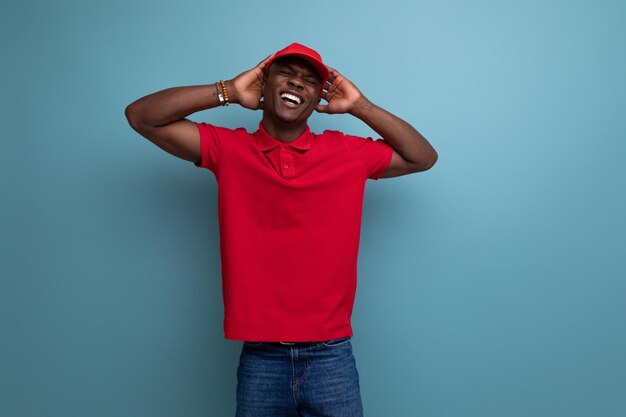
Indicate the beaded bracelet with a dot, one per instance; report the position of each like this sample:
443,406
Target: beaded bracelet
222,95
225,92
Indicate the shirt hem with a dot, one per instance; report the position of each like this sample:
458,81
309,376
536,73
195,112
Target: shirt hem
286,336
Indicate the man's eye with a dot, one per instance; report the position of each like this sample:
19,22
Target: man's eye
311,81
284,72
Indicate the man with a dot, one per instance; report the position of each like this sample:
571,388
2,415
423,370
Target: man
289,206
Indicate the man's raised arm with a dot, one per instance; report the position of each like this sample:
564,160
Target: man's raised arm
412,152
160,117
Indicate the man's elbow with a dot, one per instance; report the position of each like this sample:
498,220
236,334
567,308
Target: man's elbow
133,117
426,163
128,112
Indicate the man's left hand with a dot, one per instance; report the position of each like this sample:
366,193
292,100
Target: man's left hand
340,93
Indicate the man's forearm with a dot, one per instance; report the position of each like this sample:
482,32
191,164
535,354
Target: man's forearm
400,135
173,104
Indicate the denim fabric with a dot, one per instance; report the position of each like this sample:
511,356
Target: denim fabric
301,380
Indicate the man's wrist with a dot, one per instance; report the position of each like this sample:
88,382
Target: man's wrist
233,96
226,93
361,107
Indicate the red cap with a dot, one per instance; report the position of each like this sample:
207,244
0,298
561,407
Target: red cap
304,52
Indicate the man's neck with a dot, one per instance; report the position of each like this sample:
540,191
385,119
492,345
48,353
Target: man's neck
282,131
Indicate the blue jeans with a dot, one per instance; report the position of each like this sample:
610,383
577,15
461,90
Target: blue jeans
298,380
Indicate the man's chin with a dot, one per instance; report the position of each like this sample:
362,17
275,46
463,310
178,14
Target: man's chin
291,117
288,119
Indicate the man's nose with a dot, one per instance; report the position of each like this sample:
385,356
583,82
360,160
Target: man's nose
296,81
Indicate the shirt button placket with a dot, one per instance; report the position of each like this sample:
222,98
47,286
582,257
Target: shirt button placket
286,162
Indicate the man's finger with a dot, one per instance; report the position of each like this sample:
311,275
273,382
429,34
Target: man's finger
333,74
263,63
321,108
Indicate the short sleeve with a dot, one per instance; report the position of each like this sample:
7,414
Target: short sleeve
375,155
210,146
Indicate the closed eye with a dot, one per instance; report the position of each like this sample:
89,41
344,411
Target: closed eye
311,81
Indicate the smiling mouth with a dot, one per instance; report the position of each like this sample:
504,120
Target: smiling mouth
290,98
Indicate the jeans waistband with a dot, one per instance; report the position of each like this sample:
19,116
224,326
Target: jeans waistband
294,344
300,344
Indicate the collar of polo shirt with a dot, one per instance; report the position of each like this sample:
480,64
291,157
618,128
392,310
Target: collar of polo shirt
265,141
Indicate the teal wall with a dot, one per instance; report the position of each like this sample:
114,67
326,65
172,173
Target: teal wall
493,285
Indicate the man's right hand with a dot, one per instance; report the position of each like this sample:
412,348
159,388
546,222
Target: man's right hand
247,87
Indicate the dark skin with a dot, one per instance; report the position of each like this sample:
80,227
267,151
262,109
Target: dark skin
160,117
282,119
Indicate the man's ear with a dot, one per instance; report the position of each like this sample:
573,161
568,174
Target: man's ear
320,94
264,83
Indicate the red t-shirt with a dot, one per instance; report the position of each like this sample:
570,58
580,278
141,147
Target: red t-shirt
290,221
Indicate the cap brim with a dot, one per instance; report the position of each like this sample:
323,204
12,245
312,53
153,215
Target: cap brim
321,69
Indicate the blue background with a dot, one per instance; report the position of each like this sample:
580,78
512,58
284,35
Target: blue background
492,285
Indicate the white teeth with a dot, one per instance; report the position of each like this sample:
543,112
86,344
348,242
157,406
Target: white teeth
290,97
